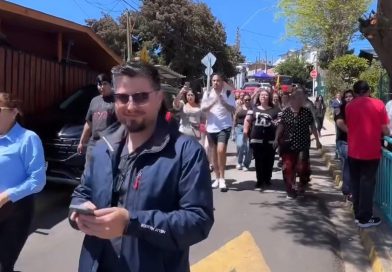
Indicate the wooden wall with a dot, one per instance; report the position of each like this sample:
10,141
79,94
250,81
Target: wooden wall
38,82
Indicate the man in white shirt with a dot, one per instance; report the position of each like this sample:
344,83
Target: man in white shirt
219,106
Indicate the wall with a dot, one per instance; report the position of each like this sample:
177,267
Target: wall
38,82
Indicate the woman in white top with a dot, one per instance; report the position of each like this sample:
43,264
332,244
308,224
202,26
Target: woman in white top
187,103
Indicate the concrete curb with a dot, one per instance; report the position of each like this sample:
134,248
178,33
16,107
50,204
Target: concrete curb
379,257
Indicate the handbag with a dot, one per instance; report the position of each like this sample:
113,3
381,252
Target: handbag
192,131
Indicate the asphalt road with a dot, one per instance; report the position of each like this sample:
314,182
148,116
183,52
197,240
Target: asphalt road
293,235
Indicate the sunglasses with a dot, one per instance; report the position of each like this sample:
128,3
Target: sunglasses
5,108
139,99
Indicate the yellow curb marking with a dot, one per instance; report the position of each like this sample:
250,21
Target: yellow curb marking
240,255
374,258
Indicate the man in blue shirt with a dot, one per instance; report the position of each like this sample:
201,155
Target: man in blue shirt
22,168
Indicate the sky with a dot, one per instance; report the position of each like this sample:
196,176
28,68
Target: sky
262,36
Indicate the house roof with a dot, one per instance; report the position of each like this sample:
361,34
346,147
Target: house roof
168,73
87,46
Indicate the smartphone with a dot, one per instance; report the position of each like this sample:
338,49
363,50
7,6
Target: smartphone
81,210
187,84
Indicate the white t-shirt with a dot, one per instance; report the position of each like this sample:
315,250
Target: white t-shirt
218,117
388,107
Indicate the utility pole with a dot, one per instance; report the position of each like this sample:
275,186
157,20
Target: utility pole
265,63
237,39
130,27
129,54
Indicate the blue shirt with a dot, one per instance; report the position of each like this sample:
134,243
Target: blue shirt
22,163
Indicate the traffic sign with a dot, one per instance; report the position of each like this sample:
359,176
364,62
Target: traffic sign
313,74
209,60
208,71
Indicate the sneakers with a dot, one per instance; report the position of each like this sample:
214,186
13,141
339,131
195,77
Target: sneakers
222,185
238,167
374,221
245,169
215,184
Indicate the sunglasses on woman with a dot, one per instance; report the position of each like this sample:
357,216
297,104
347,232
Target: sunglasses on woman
139,99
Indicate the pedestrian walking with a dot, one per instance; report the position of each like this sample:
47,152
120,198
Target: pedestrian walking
367,121
148,188
100,115
244,155
320,109
276,100
187,103
293,139
341,142
260,126
219,106
22,168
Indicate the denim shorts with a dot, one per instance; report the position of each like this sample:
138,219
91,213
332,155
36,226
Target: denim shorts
222,136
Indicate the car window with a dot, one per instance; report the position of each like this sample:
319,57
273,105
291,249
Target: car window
78,103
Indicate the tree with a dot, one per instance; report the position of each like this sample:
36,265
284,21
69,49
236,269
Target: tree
377,29
296,68
325,24
373,76
184,32
348,67
177,33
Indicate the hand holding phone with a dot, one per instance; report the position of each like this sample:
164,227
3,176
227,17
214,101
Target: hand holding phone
81,209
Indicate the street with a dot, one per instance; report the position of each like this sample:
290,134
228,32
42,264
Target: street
293,235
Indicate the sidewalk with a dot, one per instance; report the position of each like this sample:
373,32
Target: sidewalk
377,241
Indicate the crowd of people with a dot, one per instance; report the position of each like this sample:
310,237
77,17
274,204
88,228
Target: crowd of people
146,192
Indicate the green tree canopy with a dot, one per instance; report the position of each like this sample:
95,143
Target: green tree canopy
348,67
177,33
325,24
296,68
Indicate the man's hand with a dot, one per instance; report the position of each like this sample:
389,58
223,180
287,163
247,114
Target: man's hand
106,223
4,198
275,144
81,148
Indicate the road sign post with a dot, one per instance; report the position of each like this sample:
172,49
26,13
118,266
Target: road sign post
208,61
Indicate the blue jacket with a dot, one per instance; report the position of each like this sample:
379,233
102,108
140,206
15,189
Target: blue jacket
169,198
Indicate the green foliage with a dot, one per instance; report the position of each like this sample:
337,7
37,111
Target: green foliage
348,67
177,33
373,76
296,68
325,24
335,84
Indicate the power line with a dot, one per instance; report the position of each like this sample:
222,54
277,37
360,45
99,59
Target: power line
131,6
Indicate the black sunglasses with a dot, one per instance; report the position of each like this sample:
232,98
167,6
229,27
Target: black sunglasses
138,99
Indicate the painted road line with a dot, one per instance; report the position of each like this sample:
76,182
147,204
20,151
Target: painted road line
240,255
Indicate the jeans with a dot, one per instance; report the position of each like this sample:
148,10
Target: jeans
341,146
363,181
244,154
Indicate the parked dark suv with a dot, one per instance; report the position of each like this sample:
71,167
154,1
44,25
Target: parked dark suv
60,132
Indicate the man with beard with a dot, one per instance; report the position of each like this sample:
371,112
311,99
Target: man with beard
146,195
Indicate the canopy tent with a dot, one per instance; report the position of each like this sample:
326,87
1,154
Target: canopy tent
262,75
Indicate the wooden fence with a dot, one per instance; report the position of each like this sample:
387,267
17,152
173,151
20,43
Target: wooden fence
38,82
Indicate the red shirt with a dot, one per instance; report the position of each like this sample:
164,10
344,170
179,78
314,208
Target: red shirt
365,117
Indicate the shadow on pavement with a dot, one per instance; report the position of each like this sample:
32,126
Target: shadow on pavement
51,207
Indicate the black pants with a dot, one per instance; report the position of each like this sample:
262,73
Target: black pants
15,220
264,155
363,181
